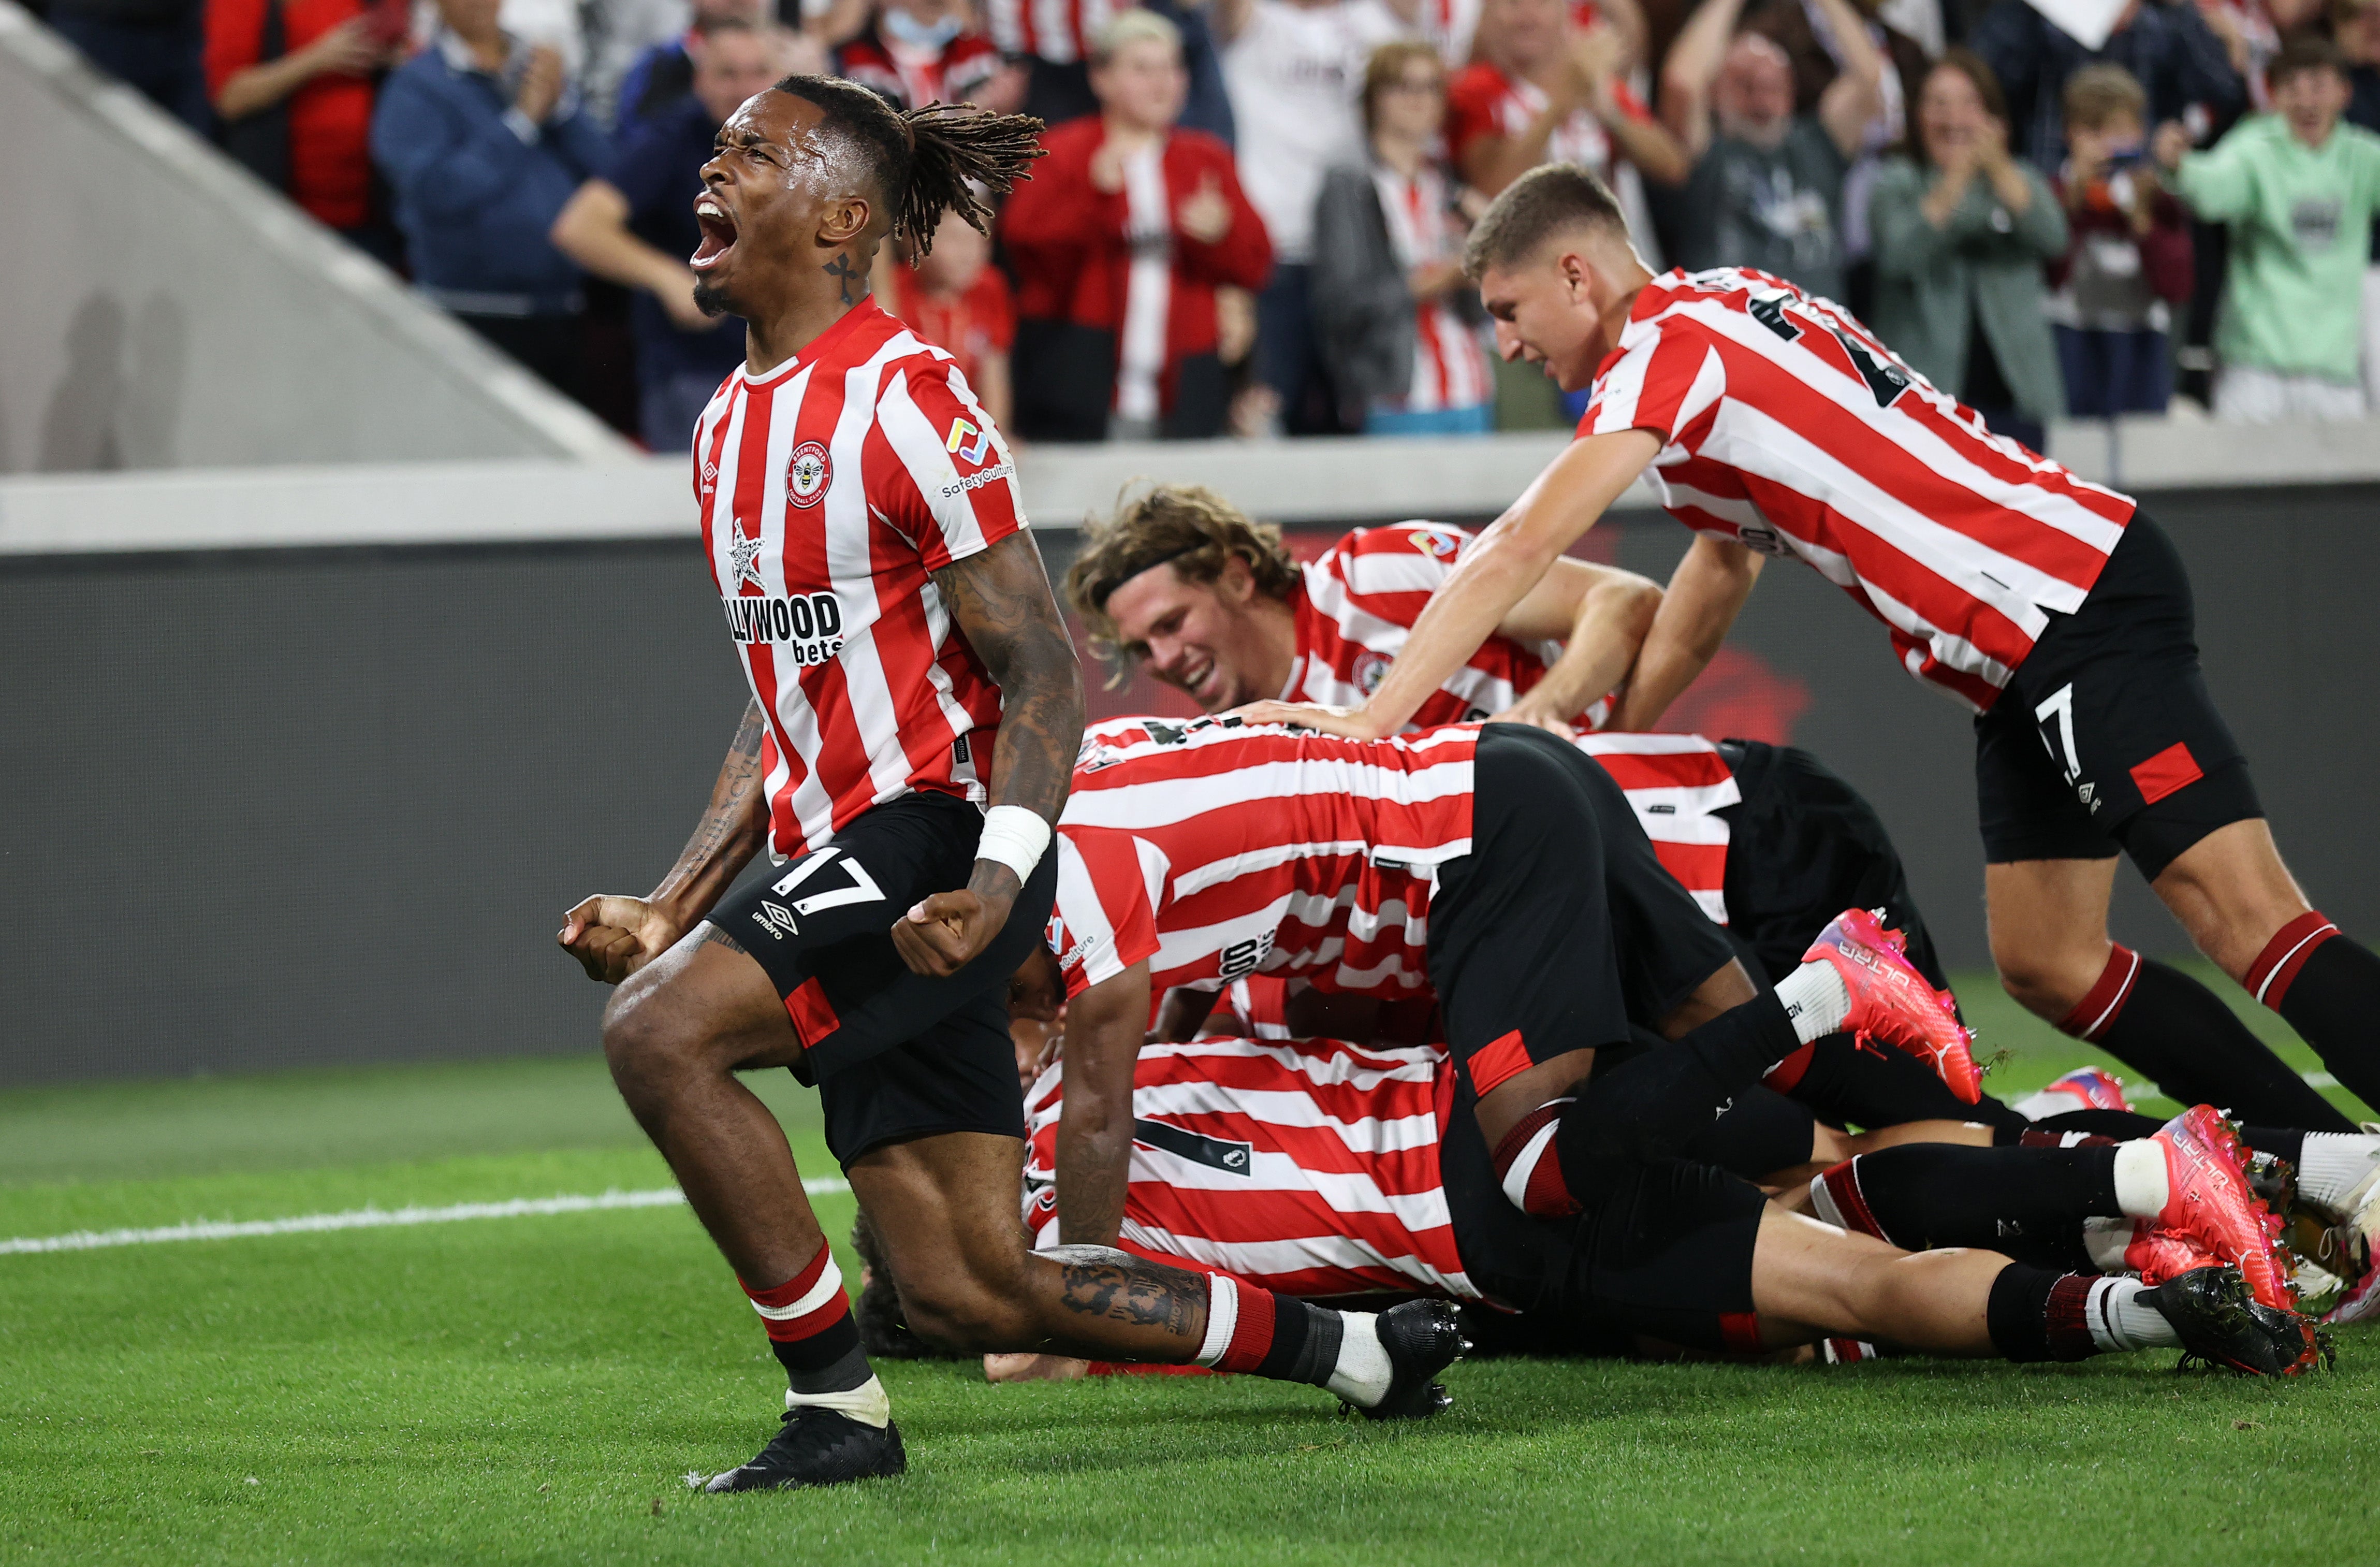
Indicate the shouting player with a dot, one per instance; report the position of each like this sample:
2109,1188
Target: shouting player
906,662
1769,840
1773,423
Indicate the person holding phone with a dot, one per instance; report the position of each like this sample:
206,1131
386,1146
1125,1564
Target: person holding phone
294,82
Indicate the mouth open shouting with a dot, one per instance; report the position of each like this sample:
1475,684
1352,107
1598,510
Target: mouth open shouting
718,233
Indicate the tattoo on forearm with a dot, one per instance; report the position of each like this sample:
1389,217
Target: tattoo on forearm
846,274
729,797
1000,600
1146,1294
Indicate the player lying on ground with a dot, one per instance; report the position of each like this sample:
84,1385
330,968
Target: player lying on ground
1771,841
1329,1170
863,532
1192,853
1774,424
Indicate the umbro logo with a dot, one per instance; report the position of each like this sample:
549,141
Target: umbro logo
778,922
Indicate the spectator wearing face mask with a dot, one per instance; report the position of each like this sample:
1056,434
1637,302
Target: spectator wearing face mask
1766,189
953,298
1119,242
2129,262
483,140
1962,229
1396,317
2298,191
635,227
913,53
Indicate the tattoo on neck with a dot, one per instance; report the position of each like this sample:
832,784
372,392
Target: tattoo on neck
846,274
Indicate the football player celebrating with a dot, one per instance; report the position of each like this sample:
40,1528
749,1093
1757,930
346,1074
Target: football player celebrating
1769,840
1773,423
907,666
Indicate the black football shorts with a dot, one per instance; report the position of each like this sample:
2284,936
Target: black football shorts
2105,738
1560,924
894,1054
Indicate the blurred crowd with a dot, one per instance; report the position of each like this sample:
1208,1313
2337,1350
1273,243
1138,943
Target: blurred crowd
1251,215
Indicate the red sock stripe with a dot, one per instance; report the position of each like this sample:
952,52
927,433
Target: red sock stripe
1547,1195
2277,966
2068,1327
1842,1185
2096,1012
1786,1075
830,1311
1251,1333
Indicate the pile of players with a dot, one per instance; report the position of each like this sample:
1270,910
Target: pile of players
1343,1152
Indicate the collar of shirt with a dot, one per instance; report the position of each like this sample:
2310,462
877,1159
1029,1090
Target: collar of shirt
462,59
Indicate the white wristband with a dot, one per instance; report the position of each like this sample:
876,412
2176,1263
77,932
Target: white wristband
1016,837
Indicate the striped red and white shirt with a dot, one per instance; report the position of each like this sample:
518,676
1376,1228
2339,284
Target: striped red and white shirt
1311,1170
1358,603
830,487
1786,426
1450,369
1060,32
1214,850
1359,600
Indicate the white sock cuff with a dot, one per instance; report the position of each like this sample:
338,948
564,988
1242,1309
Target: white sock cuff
866,1403
1223,1316
2334,1164
1524,1164
1823,1204
818,1294
2120,1320
1816,1000
2105,1241
2142,1186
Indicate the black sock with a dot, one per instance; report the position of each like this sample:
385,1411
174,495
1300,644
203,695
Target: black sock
2281,1142
2334,1003
1652,1105
1879,1085
2198,1051
2034,1314
1928,1195
828,1362
2057,1131
1304,1342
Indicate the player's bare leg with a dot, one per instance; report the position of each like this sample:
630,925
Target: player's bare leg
2049,921
1812,1281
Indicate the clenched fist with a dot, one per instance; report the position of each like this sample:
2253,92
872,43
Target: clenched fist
613,937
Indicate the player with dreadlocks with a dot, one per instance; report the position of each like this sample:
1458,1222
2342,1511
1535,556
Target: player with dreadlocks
909,668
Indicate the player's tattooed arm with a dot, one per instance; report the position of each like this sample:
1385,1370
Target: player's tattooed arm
613,937
999,598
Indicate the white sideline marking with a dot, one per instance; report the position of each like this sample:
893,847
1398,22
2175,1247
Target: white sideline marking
371,1219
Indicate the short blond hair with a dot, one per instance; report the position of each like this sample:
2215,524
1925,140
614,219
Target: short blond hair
1187,527
2096,95
1131,26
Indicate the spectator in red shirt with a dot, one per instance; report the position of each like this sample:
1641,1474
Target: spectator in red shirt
953,298
1545,90
293,81
1119,242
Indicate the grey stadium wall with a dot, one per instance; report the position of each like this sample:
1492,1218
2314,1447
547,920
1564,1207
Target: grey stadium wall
277,807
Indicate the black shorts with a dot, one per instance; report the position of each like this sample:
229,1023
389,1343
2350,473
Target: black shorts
894,1054
1803,846
1560,924
2106,736
1667,1256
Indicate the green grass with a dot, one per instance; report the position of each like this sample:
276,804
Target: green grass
531,1389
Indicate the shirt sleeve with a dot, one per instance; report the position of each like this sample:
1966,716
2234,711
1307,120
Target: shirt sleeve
235,37
1470,111
1105,918
953,488
1660,383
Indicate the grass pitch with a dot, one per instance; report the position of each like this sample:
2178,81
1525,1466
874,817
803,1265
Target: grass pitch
534,1389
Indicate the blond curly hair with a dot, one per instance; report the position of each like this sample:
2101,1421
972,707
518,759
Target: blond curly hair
1187,527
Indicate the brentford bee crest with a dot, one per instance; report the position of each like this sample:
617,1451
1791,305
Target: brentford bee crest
807,473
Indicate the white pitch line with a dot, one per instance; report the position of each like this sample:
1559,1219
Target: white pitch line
371,1219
